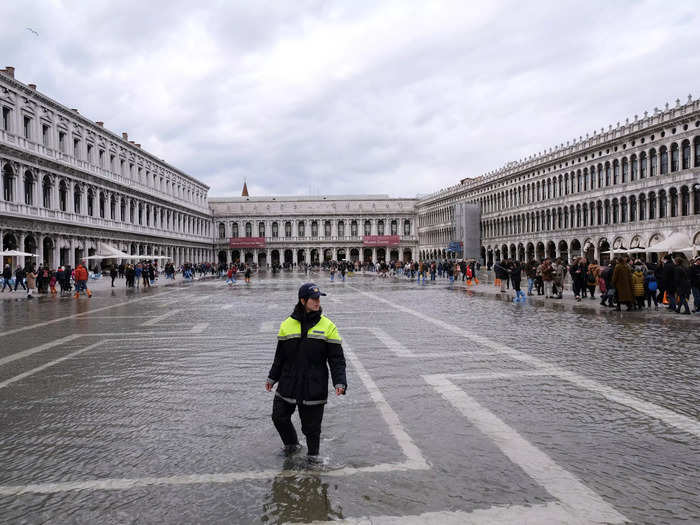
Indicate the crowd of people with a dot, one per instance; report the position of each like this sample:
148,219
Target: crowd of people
624,281
46,280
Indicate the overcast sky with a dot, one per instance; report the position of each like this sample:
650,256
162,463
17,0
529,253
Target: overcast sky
353,97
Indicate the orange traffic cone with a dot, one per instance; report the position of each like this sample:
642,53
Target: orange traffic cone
497,282
665,301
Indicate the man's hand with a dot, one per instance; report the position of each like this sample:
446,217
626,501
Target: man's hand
268,386
339,391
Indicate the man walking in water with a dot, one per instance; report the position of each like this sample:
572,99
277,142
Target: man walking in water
308,344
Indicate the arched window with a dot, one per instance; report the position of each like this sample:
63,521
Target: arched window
28,188
46,192
327,228
696,147
685,155
615,211
607,211
642,207
140,215
600,176
122,212
132,211
275,230
578,215
685,201
675,161
633,209
607,174
301,229
222,230
368,227
314,228
663,203
663,153
249,229
633,166
549,188
8,177
653,163
578,182
112,208
616,172
625,170
261,229
288,229
102,207
652,206
353,229
584,214
642,165
585,179
62,196
673,201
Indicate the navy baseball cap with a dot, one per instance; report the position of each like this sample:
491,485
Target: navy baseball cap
309,290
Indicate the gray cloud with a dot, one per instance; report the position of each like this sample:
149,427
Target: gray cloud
354,97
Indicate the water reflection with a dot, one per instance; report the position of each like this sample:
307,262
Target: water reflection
299,498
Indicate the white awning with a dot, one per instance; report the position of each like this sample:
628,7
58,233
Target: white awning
15,253
676,242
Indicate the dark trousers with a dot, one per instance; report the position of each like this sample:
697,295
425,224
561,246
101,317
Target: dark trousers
651,296
311,417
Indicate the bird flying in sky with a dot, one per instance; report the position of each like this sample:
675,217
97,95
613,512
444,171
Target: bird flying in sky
30,29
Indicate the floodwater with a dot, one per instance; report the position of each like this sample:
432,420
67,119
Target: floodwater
150,407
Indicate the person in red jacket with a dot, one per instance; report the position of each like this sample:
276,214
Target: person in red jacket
81,277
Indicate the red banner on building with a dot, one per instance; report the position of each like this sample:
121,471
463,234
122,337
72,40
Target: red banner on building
381,240
246,242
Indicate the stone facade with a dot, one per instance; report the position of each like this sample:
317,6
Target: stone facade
314,229
630,186
67,183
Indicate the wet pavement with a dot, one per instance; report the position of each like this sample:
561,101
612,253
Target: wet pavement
149,407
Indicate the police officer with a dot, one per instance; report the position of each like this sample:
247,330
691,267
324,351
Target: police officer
308,344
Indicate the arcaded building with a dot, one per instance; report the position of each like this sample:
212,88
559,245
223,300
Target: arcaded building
67,184
628,186
297,229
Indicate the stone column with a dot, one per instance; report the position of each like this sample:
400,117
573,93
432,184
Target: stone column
295,256
334,253
374,255
308,255
374,227
54,193
362,254
20,246
19,188
56,254
39,249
